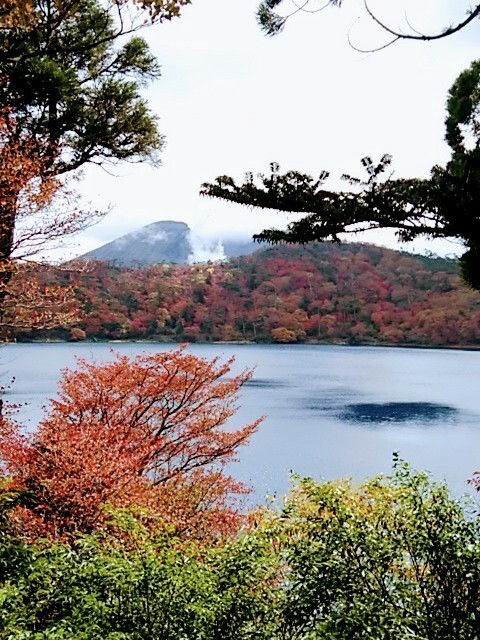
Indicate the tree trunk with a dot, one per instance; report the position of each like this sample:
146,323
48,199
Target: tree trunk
8,209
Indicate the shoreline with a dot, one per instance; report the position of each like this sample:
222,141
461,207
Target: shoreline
251,342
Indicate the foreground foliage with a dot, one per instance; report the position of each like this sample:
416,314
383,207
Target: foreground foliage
396,559
23,14
42,211
143,432
392,559
68,96
157,588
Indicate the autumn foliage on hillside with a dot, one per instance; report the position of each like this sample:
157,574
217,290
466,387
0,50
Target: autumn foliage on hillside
351,293
137,433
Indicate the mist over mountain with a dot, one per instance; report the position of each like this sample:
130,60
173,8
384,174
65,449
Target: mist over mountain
168,241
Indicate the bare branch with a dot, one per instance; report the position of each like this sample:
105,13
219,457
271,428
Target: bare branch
273,23
420,36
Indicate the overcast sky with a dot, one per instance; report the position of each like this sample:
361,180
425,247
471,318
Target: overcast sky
232,100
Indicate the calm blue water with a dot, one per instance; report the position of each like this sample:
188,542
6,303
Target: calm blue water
331,411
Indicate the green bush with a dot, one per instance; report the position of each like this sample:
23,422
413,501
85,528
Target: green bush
139,588
392,559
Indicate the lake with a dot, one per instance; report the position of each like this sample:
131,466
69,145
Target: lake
330,410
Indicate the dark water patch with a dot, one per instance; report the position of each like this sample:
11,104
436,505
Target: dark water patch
263,383
398,412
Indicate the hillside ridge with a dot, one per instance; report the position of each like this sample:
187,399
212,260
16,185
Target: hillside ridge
349,293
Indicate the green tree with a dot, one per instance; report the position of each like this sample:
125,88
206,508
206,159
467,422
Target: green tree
69,96
442,206
394,558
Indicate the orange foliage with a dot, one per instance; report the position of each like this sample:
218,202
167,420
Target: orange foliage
15,13
21,13
34,304
22,160
141,432
282,334
36,207
36,211
350,293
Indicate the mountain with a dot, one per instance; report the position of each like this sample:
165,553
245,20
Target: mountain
167,241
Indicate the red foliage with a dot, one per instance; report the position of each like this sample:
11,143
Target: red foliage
145,431
345,294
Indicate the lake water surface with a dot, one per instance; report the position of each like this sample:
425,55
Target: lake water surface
330,411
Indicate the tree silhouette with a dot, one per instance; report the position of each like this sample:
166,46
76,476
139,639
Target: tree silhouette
442,206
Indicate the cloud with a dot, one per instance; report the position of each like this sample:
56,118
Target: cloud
151,238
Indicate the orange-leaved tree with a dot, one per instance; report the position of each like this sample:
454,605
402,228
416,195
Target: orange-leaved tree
23,192
42,212
134,432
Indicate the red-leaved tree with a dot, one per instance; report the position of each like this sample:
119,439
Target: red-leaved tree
141,432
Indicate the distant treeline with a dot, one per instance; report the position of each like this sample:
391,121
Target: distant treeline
350,293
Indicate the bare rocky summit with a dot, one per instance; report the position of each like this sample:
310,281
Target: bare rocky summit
170,242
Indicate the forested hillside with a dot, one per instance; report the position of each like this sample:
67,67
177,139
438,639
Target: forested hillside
353,293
